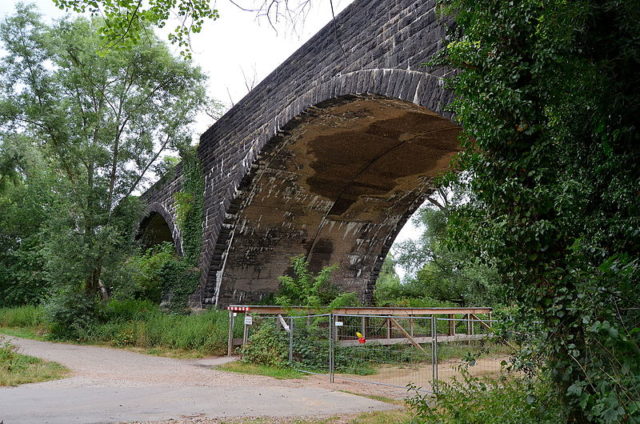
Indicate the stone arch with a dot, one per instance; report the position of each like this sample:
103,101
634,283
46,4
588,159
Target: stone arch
158,225
403,102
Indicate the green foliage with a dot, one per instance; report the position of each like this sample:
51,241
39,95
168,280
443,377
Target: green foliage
129,310
252,369
125,323
388,284
127,22
315,291
268,345
149,328
144,272
511,400
158,274
22,316
23,210
72,315
179,281
80,130
549,98
390,291
18,369
190,204
437,270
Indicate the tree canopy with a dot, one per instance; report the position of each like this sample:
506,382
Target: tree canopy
96,125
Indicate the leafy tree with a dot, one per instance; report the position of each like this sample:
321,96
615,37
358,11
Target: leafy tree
126,21
388,285
440,271
25,201
101,121
548,94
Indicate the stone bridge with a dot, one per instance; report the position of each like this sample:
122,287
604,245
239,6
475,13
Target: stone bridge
327,157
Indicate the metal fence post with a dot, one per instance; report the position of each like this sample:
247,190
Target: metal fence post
230,335
245,331
291,341
434,353
331,349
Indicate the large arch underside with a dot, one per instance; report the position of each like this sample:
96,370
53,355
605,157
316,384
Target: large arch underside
336,186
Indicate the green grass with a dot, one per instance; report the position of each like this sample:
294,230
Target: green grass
204,333
24,332
245,368
22,316
458,350
18,369
133,325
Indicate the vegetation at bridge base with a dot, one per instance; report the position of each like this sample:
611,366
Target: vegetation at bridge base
302,288
190,204
548,94
132,324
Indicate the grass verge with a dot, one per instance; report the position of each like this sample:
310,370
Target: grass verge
18,369
274,372
138,326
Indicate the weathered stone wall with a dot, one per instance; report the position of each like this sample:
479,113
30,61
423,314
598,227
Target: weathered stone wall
374,47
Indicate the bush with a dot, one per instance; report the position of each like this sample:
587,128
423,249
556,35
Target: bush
509,400
267,346
159,275
72,315
205,333
136,323
303,288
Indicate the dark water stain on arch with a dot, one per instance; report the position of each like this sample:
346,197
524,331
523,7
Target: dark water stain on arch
380,153
335,187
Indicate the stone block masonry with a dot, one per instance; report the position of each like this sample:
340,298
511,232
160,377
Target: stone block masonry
326,158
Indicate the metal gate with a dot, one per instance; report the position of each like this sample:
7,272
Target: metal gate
389,350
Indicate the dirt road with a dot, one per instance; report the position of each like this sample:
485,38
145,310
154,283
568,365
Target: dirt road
111,385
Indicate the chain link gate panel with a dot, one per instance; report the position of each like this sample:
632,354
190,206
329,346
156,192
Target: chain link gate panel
393,351
388,350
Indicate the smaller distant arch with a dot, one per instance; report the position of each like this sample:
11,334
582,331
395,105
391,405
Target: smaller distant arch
158,226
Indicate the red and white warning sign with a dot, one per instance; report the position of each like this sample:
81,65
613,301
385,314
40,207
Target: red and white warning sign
238,308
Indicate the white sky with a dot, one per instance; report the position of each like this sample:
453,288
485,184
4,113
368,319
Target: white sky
238,43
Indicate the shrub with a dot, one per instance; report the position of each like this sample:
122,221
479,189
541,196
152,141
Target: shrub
159,275
303,288
472,400
267,346
72,315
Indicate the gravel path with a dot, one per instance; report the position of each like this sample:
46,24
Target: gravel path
111,385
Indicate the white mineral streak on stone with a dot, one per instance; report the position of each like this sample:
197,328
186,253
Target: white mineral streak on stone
331,223
416,97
